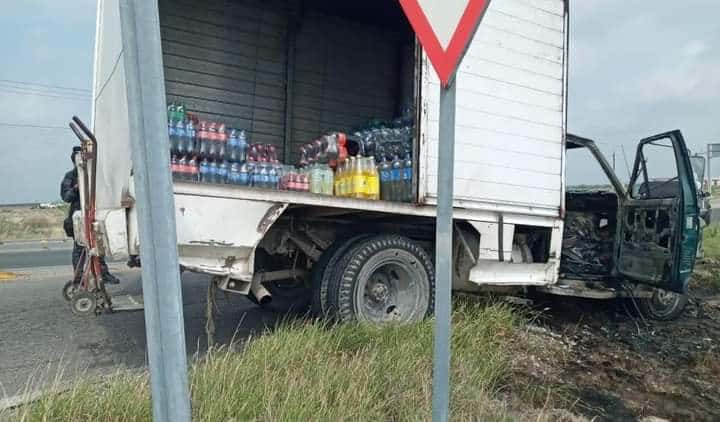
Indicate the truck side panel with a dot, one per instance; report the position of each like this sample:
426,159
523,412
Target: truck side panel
110,110
510,117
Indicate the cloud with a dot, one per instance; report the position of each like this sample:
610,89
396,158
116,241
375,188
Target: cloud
695,76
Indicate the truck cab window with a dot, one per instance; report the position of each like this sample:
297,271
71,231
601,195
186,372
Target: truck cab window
656,175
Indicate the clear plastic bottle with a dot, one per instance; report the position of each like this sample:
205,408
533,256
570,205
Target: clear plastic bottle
205,171
264,176
396,180
245,175
194,172
174,168
315,173
328,180
180,136
233,147
357,178
234,174
272,176
213,172
385,180
407,178
242,145
171,132
372,178
339,178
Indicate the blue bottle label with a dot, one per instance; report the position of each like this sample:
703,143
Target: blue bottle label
385,176
407,174
396,174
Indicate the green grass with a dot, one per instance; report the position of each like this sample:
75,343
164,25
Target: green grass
711,241
311,371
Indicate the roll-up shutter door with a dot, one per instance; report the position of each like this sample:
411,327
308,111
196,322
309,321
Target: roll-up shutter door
226,61
346,73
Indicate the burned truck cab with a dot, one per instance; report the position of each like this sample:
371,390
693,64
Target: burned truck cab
638,240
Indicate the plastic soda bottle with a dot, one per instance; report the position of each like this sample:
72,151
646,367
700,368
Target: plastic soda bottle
242,145
273,178
222,172
174,167
407,176
213,172
233,147
396,180
203,139
190,138
339,178
173,136
234,174
194,170
205,171
212,141
385,180
315,178
372,188
328,180
180,112
244,177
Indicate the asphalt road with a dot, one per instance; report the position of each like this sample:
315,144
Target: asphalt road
40,337
35,254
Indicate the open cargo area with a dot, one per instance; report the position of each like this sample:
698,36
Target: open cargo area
291,89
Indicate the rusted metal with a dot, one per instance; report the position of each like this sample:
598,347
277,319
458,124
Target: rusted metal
270,216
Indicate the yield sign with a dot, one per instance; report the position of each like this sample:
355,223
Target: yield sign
445,29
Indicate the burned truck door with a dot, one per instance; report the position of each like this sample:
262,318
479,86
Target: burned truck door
660,217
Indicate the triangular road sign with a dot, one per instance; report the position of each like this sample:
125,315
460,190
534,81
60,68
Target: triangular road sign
445,29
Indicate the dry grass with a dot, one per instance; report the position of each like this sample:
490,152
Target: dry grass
310,371
31,224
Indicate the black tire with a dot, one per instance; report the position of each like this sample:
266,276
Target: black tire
663,305
383,278
325,270
69,290
83,303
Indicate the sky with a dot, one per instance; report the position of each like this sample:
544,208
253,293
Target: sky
636,69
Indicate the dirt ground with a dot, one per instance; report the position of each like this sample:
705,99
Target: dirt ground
25,223
612,364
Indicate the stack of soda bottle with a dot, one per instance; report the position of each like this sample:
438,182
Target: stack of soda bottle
391,145
210,152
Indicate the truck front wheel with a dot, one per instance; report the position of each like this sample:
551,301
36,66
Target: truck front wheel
664,305
384,278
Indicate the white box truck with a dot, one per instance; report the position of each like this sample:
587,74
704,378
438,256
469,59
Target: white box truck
289,70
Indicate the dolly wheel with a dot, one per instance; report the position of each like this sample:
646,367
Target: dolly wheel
69,290
83,303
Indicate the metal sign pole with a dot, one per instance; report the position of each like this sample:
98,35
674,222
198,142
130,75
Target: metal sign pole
443,256
164,323
709,175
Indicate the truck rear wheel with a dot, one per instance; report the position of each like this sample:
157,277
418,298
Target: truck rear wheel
326,270
384,278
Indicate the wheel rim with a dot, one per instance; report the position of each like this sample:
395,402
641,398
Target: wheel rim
390,288
663,302
84,305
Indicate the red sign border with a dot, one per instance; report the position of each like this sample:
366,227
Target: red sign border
445,62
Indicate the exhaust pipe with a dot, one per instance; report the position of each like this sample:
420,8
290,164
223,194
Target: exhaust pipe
261,294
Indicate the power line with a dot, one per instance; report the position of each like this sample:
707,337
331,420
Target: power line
41,94
28,125
65,88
